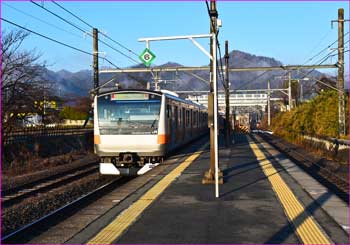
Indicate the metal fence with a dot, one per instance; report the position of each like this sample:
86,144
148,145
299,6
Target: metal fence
24,134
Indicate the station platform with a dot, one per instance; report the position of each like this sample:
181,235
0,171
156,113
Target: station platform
260,202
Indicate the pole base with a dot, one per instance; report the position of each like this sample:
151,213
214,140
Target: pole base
209,178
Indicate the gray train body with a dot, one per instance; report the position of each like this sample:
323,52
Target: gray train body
135,129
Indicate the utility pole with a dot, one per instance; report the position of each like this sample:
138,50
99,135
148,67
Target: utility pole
290,90
268,104
341,109
227,96
95,53
212,176
213,18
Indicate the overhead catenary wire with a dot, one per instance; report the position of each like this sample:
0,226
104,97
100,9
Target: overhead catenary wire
250,81
324,58
221,72
60,6
317,80
46,37
83,30
321,61
323,50
41,20
66,45
318,44
103,34
61,18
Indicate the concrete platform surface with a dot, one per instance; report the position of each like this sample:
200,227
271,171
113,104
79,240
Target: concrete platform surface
250,208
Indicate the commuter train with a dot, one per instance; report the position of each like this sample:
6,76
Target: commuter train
135,129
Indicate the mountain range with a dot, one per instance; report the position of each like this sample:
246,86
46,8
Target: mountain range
79,83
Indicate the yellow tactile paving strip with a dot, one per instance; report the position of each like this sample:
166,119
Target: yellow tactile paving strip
111,232
306,227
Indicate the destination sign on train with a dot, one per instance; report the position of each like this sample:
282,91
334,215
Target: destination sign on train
129,96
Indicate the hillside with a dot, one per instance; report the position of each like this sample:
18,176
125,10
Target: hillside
79,83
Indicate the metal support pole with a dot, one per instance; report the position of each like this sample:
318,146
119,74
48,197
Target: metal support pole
289,91
341,103
156,82
212,176
95,58
216,133
227,96
211,94
268,104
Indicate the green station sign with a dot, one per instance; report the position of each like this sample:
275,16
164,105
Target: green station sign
147,57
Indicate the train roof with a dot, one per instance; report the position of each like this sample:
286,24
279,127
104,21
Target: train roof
167,93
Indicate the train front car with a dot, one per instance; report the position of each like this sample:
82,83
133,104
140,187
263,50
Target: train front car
128,131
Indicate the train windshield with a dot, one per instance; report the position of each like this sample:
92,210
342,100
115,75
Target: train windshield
128,113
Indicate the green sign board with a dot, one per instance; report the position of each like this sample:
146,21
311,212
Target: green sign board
147,57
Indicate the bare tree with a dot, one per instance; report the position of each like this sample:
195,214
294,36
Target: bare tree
21,74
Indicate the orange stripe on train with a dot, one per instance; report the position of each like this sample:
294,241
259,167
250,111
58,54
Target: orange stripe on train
97,139
162,139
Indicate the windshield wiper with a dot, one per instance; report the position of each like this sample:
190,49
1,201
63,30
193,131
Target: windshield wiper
153,123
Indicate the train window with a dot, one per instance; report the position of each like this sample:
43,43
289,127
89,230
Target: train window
187,118
191,115
176,117
168,111
180,117
194,118
122,115
183,117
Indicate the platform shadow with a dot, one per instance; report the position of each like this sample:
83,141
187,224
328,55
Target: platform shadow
292,226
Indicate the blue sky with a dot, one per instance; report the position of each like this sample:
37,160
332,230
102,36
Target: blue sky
291,32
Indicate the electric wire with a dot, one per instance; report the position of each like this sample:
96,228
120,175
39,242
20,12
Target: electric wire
72,14
317,80
320,52
61,18
318,44
82,30
42,21
250,81
67,45
103,34
46,37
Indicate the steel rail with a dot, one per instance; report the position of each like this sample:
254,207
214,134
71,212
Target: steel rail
21,235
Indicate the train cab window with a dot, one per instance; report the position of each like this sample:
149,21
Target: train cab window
128,113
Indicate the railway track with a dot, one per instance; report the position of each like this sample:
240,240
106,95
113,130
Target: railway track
318,168
60,214
17,194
